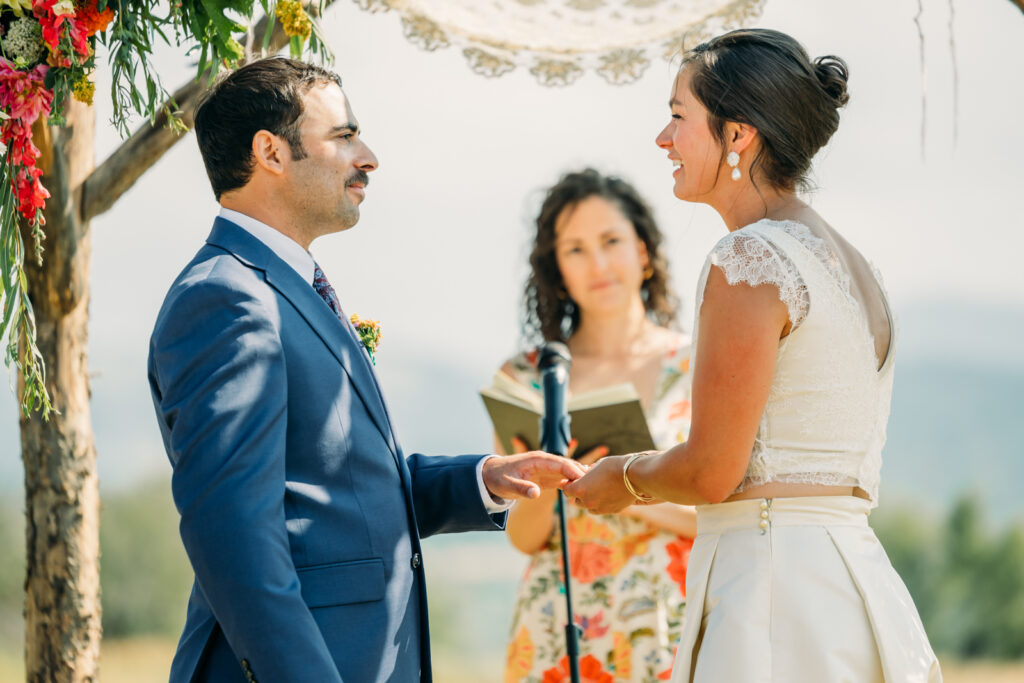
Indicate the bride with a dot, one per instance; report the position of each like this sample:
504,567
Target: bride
791,388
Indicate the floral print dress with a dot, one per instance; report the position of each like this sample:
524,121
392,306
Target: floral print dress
629,577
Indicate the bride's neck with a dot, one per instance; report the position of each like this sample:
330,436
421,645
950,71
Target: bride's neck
747,206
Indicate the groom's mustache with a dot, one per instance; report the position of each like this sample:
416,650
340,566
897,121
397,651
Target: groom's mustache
361,177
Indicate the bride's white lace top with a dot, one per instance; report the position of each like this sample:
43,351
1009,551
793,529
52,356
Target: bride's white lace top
829,403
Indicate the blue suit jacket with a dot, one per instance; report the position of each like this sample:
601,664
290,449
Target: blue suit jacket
300,514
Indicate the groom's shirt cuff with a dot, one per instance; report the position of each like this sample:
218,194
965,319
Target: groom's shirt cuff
490,503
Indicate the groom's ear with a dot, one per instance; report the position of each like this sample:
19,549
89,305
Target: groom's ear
270,151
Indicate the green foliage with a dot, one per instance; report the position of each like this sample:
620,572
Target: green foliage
19,322
212,27
144,572
208,22
129,42
967,582
12,576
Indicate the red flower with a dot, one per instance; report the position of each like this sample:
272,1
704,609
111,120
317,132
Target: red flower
679,558
31,193
590,671
52,16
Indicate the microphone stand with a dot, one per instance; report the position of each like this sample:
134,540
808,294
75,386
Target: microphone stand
554,366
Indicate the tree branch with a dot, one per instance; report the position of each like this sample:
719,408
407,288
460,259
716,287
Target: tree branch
137,154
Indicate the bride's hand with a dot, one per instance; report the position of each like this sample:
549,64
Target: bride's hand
602,490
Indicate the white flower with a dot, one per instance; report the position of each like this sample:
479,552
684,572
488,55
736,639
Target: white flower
24,41
64,7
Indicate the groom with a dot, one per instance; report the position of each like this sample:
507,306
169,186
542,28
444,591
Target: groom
300,513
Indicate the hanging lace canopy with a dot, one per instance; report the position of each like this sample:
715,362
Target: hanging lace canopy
558,40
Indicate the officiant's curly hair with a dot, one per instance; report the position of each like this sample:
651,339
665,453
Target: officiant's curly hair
549,314
265,94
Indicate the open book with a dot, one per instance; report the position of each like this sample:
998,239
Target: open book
610,417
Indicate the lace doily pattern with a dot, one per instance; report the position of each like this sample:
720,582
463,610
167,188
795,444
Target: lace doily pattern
558,40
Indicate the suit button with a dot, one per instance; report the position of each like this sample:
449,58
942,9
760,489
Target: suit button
416,561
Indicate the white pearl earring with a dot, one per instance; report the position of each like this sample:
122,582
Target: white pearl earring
734,160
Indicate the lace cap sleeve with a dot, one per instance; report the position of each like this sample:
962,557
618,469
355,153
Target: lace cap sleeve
753,260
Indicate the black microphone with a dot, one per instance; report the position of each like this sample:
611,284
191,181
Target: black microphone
554,365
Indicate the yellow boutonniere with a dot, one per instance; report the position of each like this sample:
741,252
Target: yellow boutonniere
369,334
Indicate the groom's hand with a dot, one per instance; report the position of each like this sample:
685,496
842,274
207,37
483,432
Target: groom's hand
524,475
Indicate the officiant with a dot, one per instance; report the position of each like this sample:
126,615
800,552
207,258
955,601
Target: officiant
599,283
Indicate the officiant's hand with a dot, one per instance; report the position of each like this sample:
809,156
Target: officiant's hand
602,490
523,475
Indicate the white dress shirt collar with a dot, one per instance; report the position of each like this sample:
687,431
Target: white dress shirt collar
290,251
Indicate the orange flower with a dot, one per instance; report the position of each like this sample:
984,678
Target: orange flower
519,659
684,365
91,19
589,561
590,671
667,673
679,558
627,547
588,528
679,410
622,655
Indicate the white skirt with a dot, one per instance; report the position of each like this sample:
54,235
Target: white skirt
795,590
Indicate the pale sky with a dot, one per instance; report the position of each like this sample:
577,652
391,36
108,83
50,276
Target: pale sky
439,255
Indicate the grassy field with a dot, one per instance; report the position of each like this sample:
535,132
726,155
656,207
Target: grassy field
146,660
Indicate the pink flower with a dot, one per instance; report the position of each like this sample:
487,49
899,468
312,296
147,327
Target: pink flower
592,626
23,94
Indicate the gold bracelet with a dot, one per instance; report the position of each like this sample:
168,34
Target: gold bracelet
642,497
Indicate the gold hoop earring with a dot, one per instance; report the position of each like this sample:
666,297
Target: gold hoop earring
648,273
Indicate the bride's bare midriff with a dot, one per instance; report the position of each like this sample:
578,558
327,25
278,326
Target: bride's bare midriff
782,490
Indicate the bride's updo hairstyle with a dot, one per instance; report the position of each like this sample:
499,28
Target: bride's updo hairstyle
765,79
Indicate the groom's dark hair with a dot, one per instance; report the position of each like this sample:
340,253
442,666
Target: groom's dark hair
262,95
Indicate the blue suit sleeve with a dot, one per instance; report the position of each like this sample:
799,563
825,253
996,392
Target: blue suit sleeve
446,495
217,372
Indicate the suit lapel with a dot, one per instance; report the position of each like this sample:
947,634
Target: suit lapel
339,338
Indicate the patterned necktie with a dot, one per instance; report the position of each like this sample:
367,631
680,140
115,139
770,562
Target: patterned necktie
326,292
